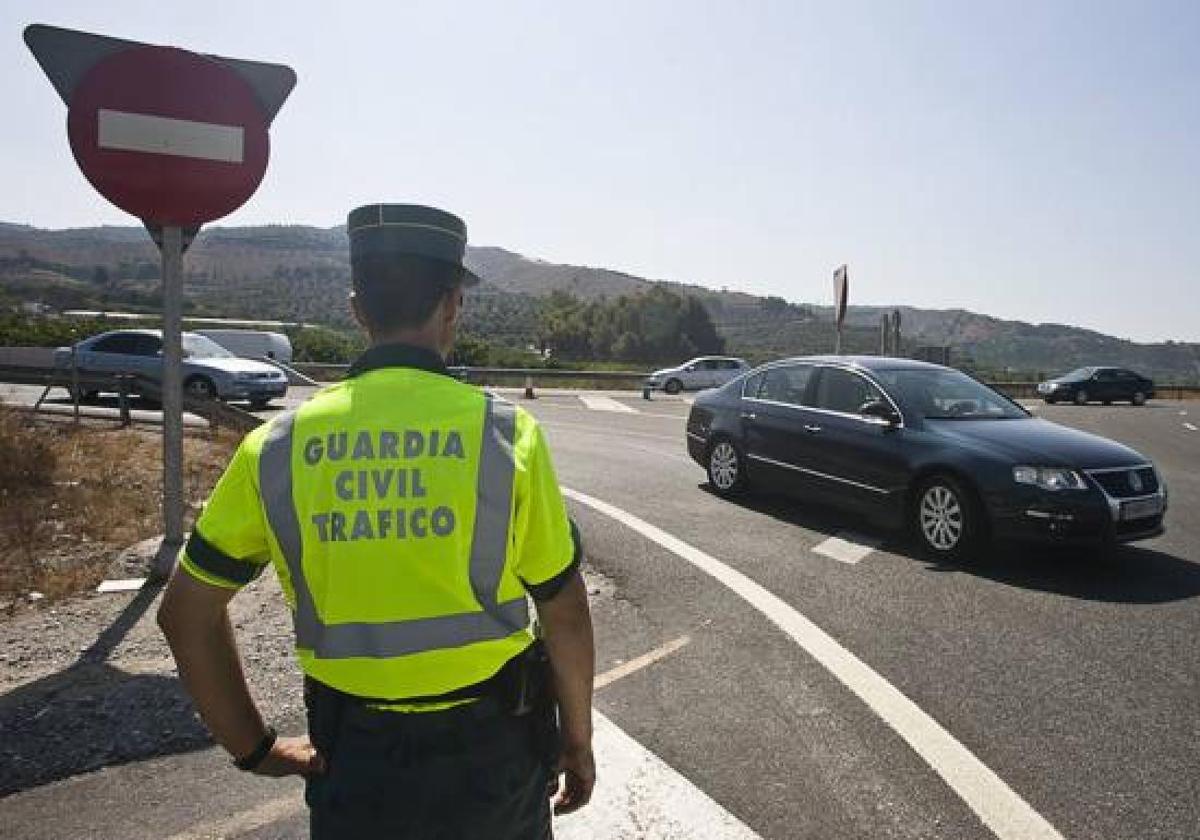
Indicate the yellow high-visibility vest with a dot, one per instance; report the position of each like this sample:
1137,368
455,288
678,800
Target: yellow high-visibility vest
407,515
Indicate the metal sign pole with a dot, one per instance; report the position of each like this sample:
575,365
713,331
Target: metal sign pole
172,398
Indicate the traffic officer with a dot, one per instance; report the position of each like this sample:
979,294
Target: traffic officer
407,516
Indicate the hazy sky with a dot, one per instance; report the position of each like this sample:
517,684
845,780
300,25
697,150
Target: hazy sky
1031,160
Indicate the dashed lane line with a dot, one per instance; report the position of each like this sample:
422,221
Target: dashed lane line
1191,427
598,403
846,547
998,806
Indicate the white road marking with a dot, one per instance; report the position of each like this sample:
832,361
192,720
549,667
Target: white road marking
640,797
1191,427
598,403
123,585
127,132
846,547
997,805
626,668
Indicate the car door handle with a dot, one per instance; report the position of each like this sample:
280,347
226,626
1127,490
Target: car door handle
812,430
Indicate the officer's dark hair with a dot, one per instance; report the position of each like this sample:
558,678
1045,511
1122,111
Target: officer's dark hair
401,291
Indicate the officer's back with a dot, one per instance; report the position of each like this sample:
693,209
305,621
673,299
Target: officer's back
407,515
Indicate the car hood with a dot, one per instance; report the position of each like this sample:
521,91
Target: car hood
231,365
1038,442
665,371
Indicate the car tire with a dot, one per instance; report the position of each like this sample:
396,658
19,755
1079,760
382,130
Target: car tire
946,519
259,405
1050,400
1081,397
1139,398
673,386
726,467
200,387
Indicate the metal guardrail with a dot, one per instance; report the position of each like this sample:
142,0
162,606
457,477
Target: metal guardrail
490,375
76,382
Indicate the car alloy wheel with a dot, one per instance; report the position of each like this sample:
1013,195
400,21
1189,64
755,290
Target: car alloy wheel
1139,398
1081,397
673,386
725,467
942,520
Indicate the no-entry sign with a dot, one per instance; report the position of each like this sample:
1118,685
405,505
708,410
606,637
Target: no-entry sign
169,136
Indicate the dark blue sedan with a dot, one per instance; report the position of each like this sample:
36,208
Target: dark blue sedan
924,447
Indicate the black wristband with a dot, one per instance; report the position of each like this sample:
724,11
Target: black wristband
255,757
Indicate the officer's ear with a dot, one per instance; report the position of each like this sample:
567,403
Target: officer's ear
356,309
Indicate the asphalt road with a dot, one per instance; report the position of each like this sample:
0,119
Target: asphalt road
1071,676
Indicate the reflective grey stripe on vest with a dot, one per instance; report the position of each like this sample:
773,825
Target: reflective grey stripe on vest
488,550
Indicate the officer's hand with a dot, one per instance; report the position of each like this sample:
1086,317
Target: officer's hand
578,769
292,757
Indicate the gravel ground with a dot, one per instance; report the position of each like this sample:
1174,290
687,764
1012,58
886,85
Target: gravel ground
89,682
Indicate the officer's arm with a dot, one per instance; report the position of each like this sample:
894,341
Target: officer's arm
194,619
567,627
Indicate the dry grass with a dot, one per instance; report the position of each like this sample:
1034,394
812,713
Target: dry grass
71,497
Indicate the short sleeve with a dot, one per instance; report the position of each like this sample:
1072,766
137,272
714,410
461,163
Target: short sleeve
548,550
228,546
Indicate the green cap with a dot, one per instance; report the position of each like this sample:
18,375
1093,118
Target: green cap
409,229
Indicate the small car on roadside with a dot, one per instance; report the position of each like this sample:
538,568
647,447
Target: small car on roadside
697,374
209,370
1098,384
924,447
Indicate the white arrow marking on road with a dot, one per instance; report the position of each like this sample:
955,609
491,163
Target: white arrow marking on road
846,547
596,403
1191,427
122,131
998,806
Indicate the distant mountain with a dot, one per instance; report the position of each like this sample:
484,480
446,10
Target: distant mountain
298,273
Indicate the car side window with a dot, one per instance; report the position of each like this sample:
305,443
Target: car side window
1106,375
752,385
843,391
115,344
709,364
146,345
786,384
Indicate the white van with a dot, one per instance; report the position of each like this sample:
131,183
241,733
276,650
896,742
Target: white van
253,344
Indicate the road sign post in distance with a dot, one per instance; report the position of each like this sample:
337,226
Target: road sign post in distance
177,139
841,294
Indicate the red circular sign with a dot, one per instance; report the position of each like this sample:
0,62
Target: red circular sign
169,136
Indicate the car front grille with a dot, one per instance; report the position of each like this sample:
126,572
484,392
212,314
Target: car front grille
1122,483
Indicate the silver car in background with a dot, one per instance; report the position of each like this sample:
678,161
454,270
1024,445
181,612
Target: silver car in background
701,372
209,370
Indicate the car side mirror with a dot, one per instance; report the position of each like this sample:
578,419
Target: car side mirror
880,410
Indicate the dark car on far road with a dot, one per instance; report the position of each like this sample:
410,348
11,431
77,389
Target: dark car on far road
1098,384
922,446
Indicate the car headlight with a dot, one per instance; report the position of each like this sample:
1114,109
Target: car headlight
1050,478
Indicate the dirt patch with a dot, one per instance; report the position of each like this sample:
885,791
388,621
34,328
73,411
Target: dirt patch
72,496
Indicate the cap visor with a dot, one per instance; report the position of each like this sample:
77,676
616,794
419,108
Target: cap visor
469,278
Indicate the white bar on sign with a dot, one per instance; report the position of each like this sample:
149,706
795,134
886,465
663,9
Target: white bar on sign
168,136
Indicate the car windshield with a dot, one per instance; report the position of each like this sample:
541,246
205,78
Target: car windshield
1078,375
199,347
947,395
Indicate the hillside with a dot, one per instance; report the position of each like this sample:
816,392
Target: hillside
296,273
